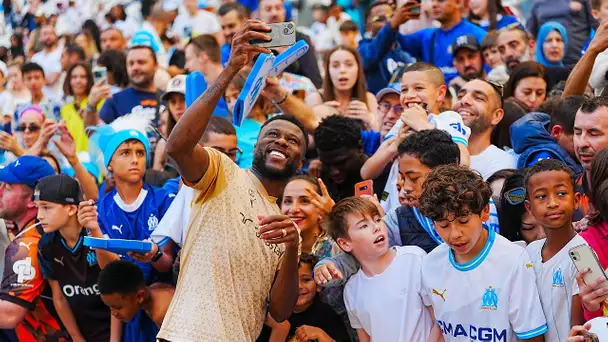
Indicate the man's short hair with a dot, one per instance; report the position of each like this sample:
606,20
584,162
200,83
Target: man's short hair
338,228
144,47
432,147
375,4
453,190
294,121
31,67
349,26
338,131
545,166
431,70
592,104
112,29
596,4
218,125
75,49
308,259
564,113
241,10
120,276
208,44
517,28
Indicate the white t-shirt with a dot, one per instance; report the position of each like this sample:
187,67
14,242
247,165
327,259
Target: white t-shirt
51,63
388,306
492,159
556,282
203,22
491,298
174,224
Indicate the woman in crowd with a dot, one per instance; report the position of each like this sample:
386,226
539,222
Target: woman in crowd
551,44
344,90
490,14
87,43
528,83
17,51
115,63
92,30
306,201
516,222
175,98
78,83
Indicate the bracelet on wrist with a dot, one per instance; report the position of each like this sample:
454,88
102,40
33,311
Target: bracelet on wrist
283,99
91,109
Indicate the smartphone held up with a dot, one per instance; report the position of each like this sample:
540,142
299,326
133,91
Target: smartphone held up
282,34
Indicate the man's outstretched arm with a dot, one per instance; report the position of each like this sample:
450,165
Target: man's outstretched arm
182,146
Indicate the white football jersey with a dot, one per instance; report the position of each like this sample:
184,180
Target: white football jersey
388,306
490,298
556,282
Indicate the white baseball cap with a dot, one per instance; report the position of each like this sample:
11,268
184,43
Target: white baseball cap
176,85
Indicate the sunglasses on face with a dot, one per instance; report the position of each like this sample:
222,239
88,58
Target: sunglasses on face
30,128
385,107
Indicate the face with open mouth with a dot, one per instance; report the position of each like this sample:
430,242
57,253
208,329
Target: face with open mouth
463,234
343,70
297,204
367,236
554,47
552,199
475,102
417,87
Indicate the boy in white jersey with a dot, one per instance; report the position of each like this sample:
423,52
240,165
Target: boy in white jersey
383,299
480,285
552,200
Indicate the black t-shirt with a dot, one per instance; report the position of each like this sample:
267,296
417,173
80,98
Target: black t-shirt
318,315
76,270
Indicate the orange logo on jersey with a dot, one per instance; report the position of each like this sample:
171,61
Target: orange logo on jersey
148,103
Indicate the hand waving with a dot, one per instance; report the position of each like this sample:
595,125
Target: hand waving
322,202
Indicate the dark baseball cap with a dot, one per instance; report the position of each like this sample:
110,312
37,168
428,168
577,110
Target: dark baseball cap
60,189
467,41
26,170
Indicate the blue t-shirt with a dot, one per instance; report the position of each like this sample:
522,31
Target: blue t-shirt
371,141
135,221
225,50
172,185
247,136
433,45
128,101
502,22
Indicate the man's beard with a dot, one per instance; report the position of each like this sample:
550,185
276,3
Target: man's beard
48,44
472,75
145,83
480,124
259,164
524,58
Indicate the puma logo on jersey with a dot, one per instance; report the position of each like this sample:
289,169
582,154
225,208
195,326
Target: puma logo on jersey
117,228
59,261
528,265
26,245
440,294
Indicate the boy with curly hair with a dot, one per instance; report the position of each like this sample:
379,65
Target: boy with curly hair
480,285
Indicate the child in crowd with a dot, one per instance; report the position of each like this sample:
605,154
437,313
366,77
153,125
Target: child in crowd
124,290
312,319
349,34
480,285
390,278
552,200
131,211
69,266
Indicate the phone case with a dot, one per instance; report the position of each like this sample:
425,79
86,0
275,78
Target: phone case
584,257
364,188
118,246
282,34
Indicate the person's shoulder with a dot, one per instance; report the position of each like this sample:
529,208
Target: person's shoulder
437,256
535,246
410,251
47,240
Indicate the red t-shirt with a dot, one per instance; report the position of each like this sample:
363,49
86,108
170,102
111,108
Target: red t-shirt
23,285
597,237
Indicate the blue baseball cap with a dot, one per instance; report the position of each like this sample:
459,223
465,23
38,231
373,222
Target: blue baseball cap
26,170
393,88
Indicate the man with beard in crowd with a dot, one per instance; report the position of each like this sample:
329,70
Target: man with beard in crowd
49,59
479,103
141,97
515,46
467,61
112,39
235,220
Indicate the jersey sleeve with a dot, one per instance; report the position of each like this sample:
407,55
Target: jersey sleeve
350,310
215,178
23,282
525,310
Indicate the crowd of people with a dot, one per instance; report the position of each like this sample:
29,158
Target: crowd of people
430,170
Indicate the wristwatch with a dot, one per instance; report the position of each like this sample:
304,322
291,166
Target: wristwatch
158,255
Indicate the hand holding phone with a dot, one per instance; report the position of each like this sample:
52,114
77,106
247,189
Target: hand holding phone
364,188
282,34
584,258
100,73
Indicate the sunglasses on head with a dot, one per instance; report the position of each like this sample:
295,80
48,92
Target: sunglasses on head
499,88
31,128
515,196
